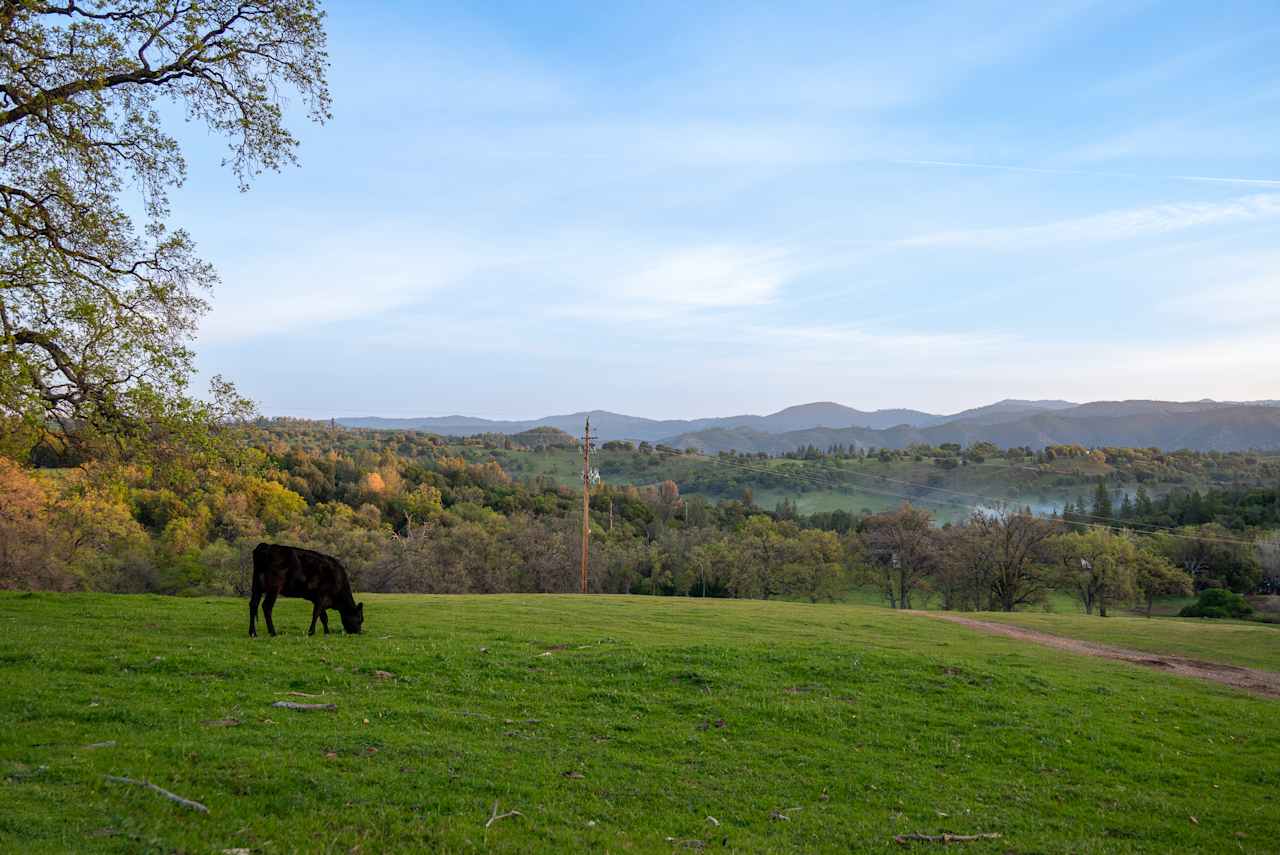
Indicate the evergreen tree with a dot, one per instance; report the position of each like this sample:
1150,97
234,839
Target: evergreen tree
1142,501
1102,507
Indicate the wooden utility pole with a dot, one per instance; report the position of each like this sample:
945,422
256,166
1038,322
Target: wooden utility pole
586,499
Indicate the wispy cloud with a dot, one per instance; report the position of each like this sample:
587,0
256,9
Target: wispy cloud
1248,303
708,277
1045,170
865,61
1135,81
906,348
329,277
719,195
1233,290
1119,225
1236,129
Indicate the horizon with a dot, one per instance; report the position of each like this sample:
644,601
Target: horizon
599,410
728,208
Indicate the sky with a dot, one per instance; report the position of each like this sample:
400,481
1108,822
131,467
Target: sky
680,210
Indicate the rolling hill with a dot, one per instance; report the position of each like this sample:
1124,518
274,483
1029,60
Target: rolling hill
1201,425
1138,424
609,425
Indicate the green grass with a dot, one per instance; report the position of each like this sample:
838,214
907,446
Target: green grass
1252,645
855,722
1055,602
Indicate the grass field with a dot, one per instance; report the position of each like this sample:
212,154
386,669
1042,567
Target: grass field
612,724
1253,645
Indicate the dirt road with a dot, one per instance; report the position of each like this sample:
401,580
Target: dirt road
1266,683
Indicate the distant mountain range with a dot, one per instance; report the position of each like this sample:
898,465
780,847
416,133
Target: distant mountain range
609,425
1201,425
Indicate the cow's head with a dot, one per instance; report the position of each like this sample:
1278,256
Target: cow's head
354,619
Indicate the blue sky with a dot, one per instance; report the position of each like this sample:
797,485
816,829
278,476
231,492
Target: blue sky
695,209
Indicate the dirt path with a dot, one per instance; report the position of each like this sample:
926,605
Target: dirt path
1266,683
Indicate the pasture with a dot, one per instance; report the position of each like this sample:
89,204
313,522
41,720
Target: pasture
1243,643
622,724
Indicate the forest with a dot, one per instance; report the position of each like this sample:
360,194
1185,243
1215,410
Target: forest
416,512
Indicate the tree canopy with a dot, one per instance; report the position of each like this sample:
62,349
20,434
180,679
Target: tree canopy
97,309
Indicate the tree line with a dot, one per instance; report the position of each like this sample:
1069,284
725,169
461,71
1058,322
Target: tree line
412,513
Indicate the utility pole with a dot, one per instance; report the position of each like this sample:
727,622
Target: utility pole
586,499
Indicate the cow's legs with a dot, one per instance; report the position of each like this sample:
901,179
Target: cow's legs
253,612
324,620
315,613
267,606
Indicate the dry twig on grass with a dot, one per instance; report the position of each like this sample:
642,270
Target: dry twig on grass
290,705
495,816
944,839
173,797
687,844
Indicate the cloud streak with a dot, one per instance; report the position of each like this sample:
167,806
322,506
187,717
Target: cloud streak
1129,224
1259,182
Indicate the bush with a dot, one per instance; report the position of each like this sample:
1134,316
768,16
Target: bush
1218,603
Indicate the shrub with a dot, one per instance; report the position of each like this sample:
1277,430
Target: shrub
1218,603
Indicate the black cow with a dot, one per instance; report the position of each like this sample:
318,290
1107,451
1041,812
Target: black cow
286,571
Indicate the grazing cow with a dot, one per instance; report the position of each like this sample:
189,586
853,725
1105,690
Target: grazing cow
285,571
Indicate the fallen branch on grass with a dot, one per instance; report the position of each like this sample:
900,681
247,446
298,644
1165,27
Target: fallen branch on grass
495,816
944,839
173,797
290,705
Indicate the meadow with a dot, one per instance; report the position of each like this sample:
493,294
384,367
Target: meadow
1244,643
625,724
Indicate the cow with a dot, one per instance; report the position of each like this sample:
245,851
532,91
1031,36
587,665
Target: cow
286,571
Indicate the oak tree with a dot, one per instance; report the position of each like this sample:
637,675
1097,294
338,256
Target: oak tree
98,306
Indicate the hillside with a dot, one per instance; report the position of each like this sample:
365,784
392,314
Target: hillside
1007,410
1127,424
1199,425
609,425
617,426
632,724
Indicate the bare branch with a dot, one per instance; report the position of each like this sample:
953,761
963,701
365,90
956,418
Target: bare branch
173,797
